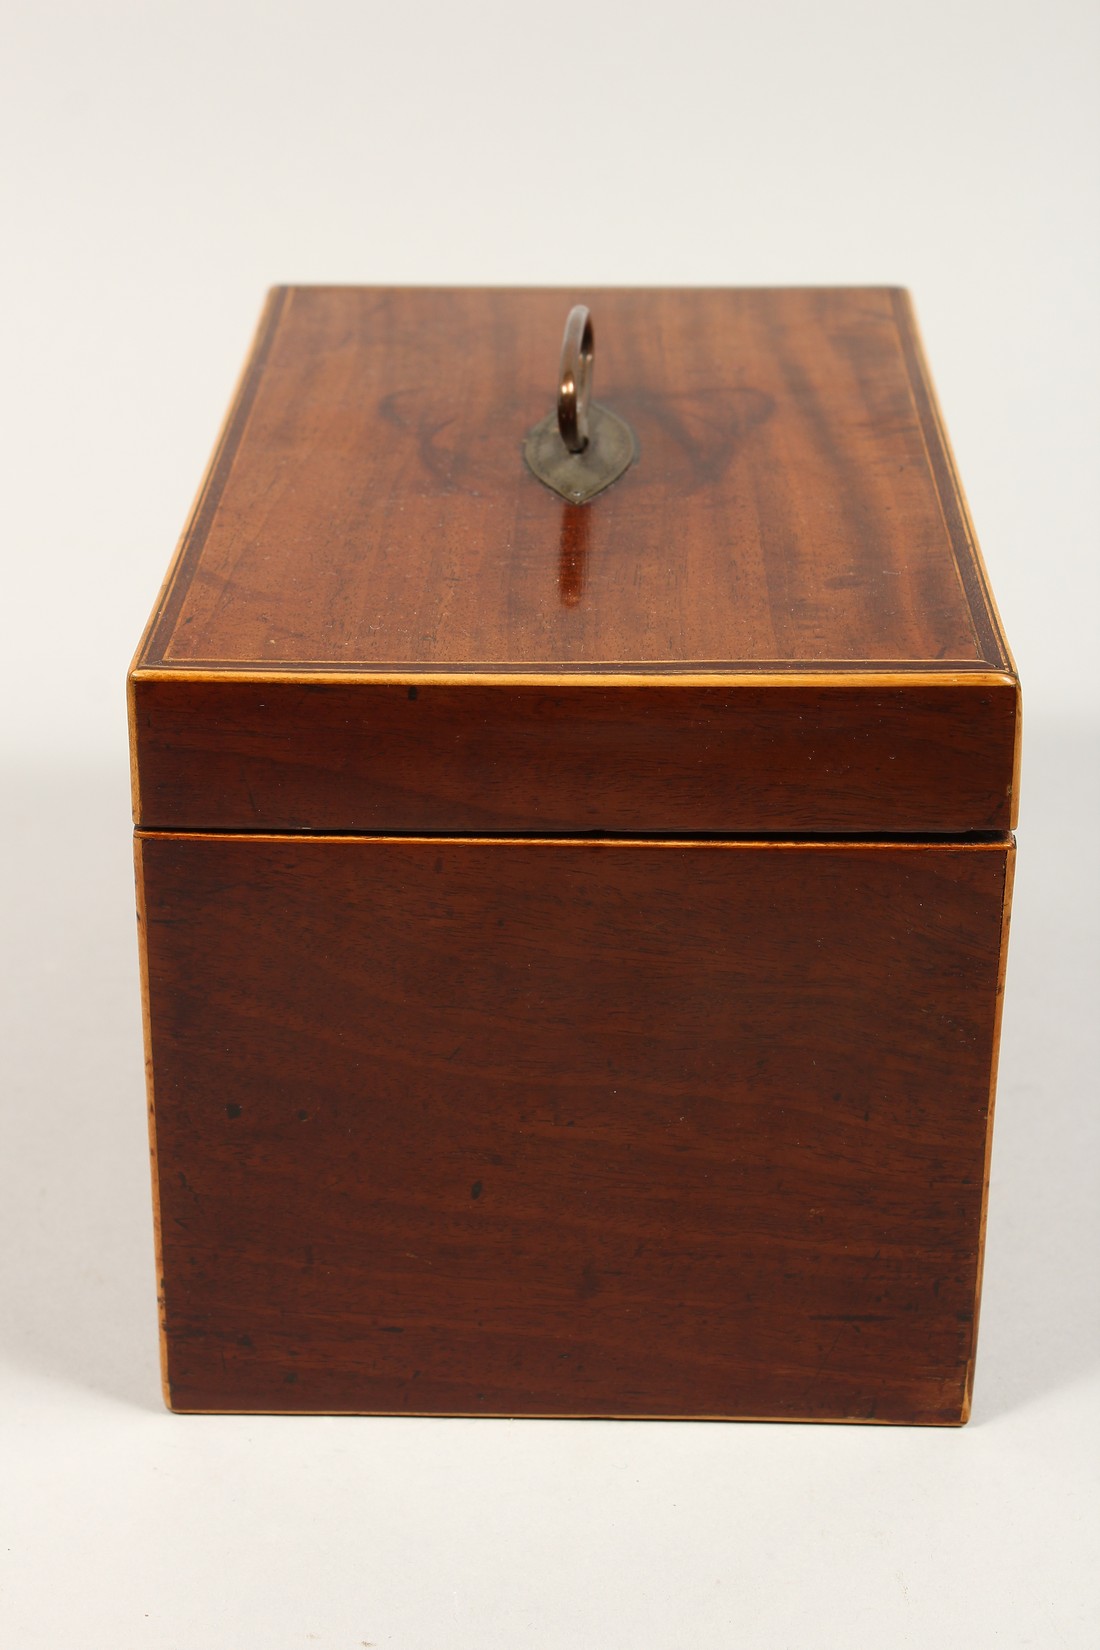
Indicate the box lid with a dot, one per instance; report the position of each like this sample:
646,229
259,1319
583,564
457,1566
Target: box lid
776,620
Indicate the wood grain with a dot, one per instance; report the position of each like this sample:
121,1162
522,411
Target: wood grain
582,1128
369,508
439,756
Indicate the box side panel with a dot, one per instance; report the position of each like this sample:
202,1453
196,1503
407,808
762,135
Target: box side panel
891,756
568,1128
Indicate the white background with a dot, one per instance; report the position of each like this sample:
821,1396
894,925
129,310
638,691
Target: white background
163,164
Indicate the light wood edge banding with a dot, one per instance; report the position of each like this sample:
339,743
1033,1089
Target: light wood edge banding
873,844
906,303
274,301
609,680
150,1106
1009,849
585,1415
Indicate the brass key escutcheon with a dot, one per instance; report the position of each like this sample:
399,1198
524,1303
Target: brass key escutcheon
581,447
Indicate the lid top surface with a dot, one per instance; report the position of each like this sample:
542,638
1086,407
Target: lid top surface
794,506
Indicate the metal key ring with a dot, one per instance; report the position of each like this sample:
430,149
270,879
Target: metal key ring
575,379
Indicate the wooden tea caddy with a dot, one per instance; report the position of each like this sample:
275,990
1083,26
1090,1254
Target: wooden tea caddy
573,933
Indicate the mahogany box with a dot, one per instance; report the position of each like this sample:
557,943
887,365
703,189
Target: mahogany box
573,861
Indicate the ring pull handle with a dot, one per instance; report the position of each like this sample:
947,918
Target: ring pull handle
575,378
580,448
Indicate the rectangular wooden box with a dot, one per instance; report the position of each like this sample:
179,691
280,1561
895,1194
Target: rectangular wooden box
573,935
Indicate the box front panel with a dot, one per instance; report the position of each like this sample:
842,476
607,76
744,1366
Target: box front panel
571,1128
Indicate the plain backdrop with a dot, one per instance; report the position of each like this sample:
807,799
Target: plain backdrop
165,163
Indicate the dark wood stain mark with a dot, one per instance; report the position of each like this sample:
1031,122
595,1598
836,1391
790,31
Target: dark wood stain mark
576,521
